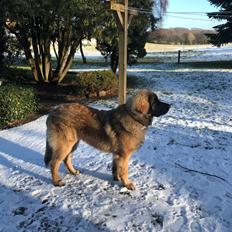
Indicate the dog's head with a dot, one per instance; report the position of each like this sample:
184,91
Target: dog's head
147,103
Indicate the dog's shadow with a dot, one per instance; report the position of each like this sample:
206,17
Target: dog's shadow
20,153
17,157
101,176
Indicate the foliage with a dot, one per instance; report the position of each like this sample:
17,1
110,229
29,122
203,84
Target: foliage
224,31
38,24
2,44
64,24
94,82
16,103
107,39
107,33
179,36
16,75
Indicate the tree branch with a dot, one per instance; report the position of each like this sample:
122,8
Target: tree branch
199,172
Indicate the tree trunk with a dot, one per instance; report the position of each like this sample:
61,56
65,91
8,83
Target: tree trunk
114,61
62,74
68,61
35,40
40,59
26,44
82,53
31,62
47,66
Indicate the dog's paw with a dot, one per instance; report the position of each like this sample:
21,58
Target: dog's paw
76,172
59,183
130,186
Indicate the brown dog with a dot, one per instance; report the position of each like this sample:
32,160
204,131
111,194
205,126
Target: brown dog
120,131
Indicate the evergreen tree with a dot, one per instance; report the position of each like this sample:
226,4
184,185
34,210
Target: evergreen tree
224,31
107,32
2,46
2,41
38,24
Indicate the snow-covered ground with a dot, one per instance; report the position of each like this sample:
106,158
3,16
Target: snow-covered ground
188,53
191,54
183,171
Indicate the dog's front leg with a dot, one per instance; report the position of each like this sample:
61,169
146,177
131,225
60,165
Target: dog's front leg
120,170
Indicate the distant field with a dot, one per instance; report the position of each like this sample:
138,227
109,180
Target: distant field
196,56
89,48
151,47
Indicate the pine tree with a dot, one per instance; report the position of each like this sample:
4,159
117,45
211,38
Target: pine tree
224,31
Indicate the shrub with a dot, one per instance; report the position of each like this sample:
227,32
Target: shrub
16,75
94,82
16,103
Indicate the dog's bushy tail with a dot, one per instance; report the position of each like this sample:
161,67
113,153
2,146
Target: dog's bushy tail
48,154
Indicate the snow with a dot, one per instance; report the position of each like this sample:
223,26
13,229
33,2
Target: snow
193,54
182,172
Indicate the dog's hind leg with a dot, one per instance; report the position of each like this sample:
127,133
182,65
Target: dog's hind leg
69,165
55,165
61,153
48,154
68,162
115,172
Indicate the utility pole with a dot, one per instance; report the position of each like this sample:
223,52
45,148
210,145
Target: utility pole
123,18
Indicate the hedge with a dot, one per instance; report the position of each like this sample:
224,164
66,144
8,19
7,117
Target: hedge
96,81
16,103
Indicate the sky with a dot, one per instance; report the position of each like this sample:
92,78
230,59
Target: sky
173,20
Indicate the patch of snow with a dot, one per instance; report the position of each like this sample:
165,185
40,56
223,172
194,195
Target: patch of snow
200,54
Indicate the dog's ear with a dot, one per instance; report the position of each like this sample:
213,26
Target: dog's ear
139,103
142,105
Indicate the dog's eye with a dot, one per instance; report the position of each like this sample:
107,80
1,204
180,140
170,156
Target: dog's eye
153,99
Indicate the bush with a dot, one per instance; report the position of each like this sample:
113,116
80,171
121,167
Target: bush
94,82
2,45
16,103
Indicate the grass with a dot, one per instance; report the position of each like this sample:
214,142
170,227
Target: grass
24,67
148,60
133,81
209,64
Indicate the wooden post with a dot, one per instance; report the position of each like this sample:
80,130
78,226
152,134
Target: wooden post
178,56
123,18
122,72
